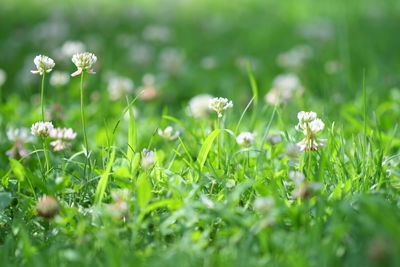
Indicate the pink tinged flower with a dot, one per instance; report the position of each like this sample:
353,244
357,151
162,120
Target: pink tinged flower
43,64
84,62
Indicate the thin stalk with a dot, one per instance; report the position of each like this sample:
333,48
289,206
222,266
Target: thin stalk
83,118
46,156
42,96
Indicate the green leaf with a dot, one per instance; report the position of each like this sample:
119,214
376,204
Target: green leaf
102,185
205,149
5,199
18,169
132,137
144,188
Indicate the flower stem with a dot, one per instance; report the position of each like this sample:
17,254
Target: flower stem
83,117
46,155
42,96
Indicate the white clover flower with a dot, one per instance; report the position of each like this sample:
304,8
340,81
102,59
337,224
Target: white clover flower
62,136
296,176
42,129
59,78
292,151
171,61
156,33
283,88
219,104
84,62
199,105
230,183
208,63
310,126
19,135
119,86
59,145
70,48
264,204
3,77
43,64
62,133
148,159
295,57
148,91
168,134
245,139
274,139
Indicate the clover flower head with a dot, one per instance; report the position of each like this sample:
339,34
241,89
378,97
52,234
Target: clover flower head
283,88
42,129
84,62
62,136
63,133
19,136
310,126
119,86
43,64
199,105
59,78
148,159
219,104
3,77
245,139
296,176
47,207
168,133
264,205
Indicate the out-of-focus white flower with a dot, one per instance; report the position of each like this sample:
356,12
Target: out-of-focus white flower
219,104
84,62
168,133
62,133
19,137
310,126
148,159
141,54
43,64
3,77
148,91
42,129
295,57
156,33
199,105
305,190
296,176
59,78
230,183
283,88
292,151
332,66
264,205
119,86
70,48
274,139
245,139
208,63
62,136
171,61
319,29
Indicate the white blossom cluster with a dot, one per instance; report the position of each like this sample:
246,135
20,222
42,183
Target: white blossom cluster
310,126
62,136
245,139
283,88
42,129
119,86
168,133
44,64
219,104
199,105
84,62
148,159
59,78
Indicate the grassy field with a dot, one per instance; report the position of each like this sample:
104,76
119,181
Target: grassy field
200,133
